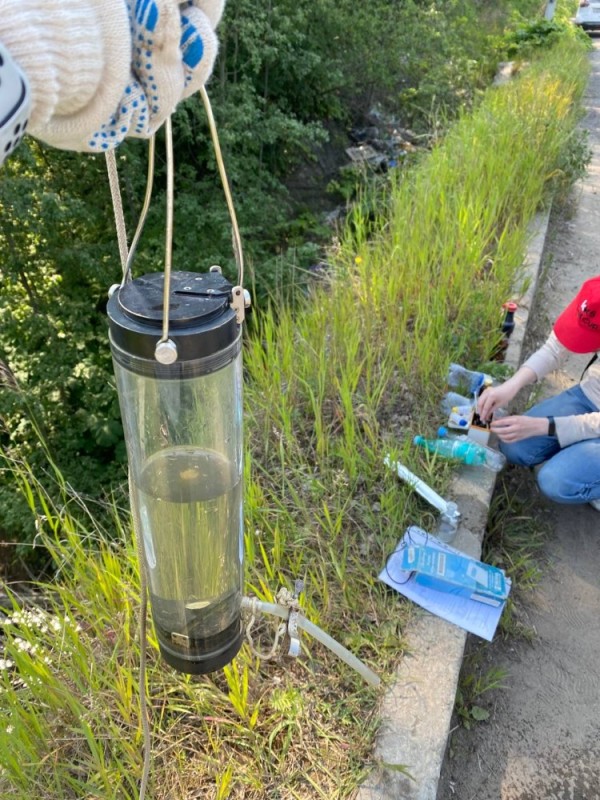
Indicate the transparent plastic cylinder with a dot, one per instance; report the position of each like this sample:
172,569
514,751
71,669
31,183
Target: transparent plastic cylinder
183,430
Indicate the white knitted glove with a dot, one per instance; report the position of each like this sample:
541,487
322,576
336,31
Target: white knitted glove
101,70
174,49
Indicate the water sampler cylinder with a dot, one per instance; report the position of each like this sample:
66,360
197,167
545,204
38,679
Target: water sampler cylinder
183,431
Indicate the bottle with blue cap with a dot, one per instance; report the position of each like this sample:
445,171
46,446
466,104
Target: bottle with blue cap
467,381
451,400
461,448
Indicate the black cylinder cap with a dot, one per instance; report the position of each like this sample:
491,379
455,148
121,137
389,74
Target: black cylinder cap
201,321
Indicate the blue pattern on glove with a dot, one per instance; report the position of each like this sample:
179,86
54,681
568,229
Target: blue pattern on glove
140,108
150,10
192,47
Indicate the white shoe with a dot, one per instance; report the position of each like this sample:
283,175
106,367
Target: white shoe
595,504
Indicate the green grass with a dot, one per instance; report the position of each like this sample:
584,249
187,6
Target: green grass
331,387
474,683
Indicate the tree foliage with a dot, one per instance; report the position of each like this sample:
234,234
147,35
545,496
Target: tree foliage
288,73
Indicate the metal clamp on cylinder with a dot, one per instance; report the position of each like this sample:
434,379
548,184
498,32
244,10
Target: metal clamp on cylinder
293,624
284,608
294,633
240,301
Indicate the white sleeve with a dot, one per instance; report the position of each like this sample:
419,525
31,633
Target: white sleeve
549,357
212,8
577,427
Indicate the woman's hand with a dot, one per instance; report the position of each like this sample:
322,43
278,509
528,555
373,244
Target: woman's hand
515,428
500,396
492,398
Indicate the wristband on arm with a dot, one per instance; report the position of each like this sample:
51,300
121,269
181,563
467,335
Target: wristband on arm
551,427
15,104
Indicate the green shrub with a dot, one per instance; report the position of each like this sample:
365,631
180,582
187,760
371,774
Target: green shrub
330,389
288,73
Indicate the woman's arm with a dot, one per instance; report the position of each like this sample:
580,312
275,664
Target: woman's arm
546,359
500,396
576,428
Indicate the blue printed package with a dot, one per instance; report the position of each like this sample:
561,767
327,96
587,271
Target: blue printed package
456,574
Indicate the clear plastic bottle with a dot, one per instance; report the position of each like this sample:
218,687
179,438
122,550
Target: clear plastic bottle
452,399
460,416
464,449
466,381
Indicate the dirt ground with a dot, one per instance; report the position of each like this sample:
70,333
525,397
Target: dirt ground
542,741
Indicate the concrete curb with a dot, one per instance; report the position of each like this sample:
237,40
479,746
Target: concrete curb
417,708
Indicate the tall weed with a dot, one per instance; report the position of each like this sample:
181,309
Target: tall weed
330,389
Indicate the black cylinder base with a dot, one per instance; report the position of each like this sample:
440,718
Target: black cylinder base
195,663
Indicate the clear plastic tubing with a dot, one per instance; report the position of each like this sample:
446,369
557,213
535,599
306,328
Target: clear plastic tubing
316,632
418,485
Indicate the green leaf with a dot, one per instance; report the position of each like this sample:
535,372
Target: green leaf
480,714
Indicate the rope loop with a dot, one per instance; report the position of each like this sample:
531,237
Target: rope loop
260,654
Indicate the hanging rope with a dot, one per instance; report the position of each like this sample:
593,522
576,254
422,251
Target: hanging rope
145,710
127,254
126,262
115,193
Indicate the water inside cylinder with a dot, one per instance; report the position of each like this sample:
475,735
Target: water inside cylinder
189,507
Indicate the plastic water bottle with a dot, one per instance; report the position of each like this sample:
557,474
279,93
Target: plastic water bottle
466,380
460,416
452,399
494,459
457,448
464,449
507,327
508,324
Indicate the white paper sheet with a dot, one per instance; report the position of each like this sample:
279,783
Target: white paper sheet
475,617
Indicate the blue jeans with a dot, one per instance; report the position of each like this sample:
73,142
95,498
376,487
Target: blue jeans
571,474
